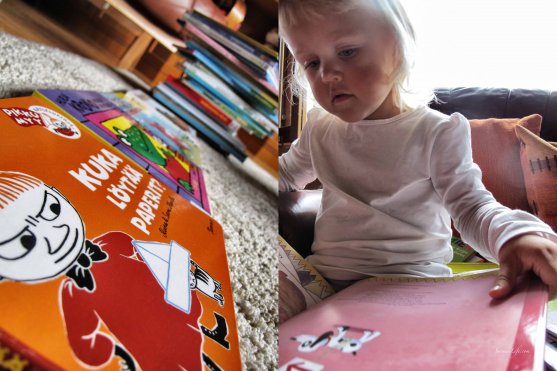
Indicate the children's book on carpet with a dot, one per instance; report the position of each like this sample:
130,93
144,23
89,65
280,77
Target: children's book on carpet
101,264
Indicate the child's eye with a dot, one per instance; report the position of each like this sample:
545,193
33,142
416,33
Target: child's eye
347,53
311,65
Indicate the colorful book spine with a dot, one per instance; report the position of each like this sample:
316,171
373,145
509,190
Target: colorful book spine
204,104
213,132
221,91
104,118
226,106
249,69
199,113
245,89
235,41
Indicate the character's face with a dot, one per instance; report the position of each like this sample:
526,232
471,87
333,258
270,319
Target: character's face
348,59
41,236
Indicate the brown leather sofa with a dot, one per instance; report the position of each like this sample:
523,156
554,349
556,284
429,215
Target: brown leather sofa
297,210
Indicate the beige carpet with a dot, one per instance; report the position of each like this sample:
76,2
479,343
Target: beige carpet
246,210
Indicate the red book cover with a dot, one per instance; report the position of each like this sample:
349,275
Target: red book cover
101,264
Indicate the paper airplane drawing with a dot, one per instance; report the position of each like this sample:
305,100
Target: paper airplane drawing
172,267
170,264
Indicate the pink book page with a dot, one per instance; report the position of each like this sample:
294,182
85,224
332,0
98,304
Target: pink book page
419,324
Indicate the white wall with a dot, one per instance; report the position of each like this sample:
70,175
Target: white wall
487,43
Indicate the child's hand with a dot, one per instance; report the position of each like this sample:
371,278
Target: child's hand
525,253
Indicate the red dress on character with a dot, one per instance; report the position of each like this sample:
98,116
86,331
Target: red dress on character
129,301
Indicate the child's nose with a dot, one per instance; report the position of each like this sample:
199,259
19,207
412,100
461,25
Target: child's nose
330,73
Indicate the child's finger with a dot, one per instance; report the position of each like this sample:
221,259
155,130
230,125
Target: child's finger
506,279
544,266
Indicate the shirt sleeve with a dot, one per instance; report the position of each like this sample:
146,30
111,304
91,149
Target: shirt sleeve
483,222
295,166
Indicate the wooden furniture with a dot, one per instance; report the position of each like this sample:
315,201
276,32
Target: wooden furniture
292,112
152,54
117,34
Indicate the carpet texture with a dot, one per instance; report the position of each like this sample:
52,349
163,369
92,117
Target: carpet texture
246,210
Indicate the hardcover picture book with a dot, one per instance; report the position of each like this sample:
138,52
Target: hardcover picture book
121,131
419,324
101,264
160,123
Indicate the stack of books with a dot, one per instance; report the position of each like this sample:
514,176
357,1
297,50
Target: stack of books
229,88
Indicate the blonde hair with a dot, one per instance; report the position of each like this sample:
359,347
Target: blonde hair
293,11
13,185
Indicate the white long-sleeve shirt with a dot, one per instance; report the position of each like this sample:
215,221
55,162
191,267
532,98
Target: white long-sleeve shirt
390,188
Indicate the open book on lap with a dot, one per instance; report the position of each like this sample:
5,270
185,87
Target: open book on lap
412,323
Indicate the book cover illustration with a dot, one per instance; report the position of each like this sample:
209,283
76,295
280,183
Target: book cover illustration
101,264
121,131
461,250
300,285
160,123
422,324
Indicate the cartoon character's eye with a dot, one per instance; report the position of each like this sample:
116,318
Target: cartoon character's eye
18,246
28,240
51,207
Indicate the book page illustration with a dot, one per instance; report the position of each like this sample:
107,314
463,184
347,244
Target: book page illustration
407,323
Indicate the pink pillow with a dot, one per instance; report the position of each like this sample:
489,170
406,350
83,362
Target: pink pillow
539,166
496,150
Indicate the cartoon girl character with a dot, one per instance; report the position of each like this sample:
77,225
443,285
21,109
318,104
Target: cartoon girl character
42,237
40,229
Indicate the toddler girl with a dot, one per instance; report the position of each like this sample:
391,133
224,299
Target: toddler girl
393,175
